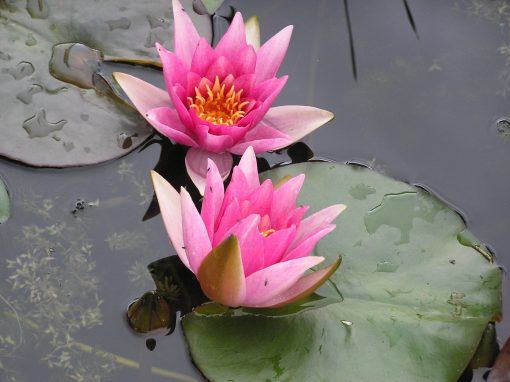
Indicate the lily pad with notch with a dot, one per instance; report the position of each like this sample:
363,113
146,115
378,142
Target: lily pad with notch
408,312
57,108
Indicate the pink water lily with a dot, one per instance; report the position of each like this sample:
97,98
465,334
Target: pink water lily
218,100
249,245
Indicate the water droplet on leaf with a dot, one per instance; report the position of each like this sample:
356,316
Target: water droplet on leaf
386,266
38,9
122,23
37,126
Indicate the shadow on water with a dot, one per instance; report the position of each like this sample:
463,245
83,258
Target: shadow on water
83,244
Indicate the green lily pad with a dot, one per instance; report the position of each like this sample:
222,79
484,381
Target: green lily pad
68,117
212,5
5,203
416,301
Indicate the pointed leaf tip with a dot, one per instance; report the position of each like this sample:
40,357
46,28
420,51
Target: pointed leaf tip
221,274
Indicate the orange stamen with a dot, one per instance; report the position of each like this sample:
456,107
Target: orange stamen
268,232
218,106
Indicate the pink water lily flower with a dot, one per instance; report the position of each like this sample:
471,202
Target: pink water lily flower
249,245
218,100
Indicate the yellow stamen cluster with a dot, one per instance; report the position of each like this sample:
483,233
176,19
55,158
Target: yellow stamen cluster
218,106
268,232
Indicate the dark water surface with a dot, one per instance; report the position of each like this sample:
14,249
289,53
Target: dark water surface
417,88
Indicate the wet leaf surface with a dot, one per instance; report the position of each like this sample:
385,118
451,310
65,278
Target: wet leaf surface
408,311
56,108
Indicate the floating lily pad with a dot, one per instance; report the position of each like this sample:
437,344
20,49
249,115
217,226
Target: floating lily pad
5,203
68,117
212,5
416,300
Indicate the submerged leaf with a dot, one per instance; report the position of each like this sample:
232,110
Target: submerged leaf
5,203
416,299
150,312
176,283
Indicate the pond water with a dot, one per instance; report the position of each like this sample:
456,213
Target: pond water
419,90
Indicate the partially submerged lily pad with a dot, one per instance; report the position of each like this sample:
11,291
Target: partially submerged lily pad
5,203
150,312
416,301
69,118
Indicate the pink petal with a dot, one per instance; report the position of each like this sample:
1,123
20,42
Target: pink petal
307,245
174,70
248,165
252,29
304,287
317,221
284,200
185,35
202,85
250,242
196,239
295,217
228,218
213,198
244,82
203,57
259,201
197,165
297,121
246,61
256,115
269,282
220,68
236,189
271,54
179,106
233,40
193,80
143,95
260,146
167,122
276,244
233,131
211,142
266,88
262,138
170,206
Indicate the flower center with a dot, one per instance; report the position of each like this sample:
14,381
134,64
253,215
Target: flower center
218,105
268,232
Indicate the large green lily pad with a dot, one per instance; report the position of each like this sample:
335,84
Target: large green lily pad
416,299
47,121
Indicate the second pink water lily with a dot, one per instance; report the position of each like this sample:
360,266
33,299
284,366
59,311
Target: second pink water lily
249,245
218,100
